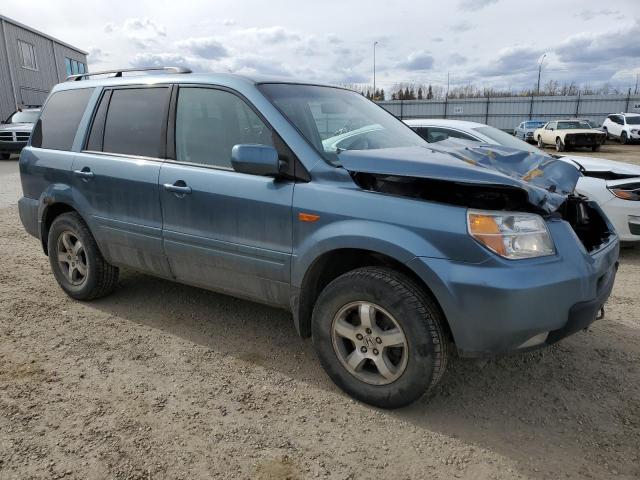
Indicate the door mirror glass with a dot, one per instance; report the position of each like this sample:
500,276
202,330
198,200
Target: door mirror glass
256,160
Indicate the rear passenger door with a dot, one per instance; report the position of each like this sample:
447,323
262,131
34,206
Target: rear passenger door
222,229
116,176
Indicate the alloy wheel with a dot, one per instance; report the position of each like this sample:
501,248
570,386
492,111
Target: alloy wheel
72,258
370,343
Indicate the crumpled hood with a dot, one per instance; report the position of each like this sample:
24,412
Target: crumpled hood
16,127
546,181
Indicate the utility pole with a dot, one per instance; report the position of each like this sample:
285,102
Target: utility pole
539,72
374,70
447,94
635,92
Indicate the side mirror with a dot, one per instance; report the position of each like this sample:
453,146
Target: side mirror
256,160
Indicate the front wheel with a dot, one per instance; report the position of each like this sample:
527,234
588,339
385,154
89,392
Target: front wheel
623,138
379,337
559,145
540,142
76,262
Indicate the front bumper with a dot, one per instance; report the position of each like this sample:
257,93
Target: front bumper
625,217
12,147
502,306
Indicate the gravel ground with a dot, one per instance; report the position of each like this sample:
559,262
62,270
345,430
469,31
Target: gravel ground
163,381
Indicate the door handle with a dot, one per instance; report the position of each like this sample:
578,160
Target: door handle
85,173
179,188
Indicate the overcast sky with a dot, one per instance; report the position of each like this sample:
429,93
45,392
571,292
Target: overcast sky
490,43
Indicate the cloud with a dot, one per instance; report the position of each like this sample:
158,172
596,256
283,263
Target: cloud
512,60
456,59
417,61
144,27
461,27
205,47
109,27
252,64
142,60
227,22
475,5
269,35
589,48
605,12
437,39
97,55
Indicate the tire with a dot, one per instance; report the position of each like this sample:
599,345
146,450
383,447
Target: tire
559,145
80,269
396,300
595,148
5,156
623,138
540,142
606,133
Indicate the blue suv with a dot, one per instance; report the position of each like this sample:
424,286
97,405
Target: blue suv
391,253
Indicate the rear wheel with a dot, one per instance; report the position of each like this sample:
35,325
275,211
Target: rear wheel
559,145
379,337
623,138
76,262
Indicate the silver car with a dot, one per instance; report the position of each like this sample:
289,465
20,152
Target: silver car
525,130
16,130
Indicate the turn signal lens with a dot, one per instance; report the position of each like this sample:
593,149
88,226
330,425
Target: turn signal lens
626,194
512,235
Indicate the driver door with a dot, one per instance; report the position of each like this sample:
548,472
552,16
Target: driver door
549,134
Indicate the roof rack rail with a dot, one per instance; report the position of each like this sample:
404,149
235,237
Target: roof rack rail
119,72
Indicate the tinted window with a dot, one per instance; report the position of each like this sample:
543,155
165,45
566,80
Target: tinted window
57,126
436,134
210,122
134,121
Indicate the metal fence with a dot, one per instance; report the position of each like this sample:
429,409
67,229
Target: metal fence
507,112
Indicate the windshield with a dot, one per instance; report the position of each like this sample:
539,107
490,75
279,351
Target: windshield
334,119
506,139
24,117
575,125
534,124
633,120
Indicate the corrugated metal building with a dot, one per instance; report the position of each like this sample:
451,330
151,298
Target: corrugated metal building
32,62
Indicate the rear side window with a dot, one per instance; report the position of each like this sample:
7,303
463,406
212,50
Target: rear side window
134,122
210,122
57,126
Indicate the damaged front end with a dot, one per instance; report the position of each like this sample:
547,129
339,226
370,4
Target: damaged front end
482,177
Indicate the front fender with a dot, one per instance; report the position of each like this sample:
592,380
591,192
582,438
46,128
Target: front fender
396,242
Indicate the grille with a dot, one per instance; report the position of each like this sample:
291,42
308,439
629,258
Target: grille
14,136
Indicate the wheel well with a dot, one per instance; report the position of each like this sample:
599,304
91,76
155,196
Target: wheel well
50,215
331,265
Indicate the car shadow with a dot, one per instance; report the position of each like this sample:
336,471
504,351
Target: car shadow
538,408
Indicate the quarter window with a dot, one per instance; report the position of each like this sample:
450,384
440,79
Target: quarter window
28,55
134,121
210,122
57,126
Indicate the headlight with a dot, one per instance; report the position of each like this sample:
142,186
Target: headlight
635,130
511,235
626,194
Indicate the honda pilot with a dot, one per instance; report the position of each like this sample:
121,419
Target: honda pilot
392,254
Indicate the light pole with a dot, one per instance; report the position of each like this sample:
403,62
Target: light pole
539,72
374,70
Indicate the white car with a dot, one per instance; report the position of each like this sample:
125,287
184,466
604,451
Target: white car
624,126
614,186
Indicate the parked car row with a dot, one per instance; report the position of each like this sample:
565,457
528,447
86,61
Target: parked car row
624,127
